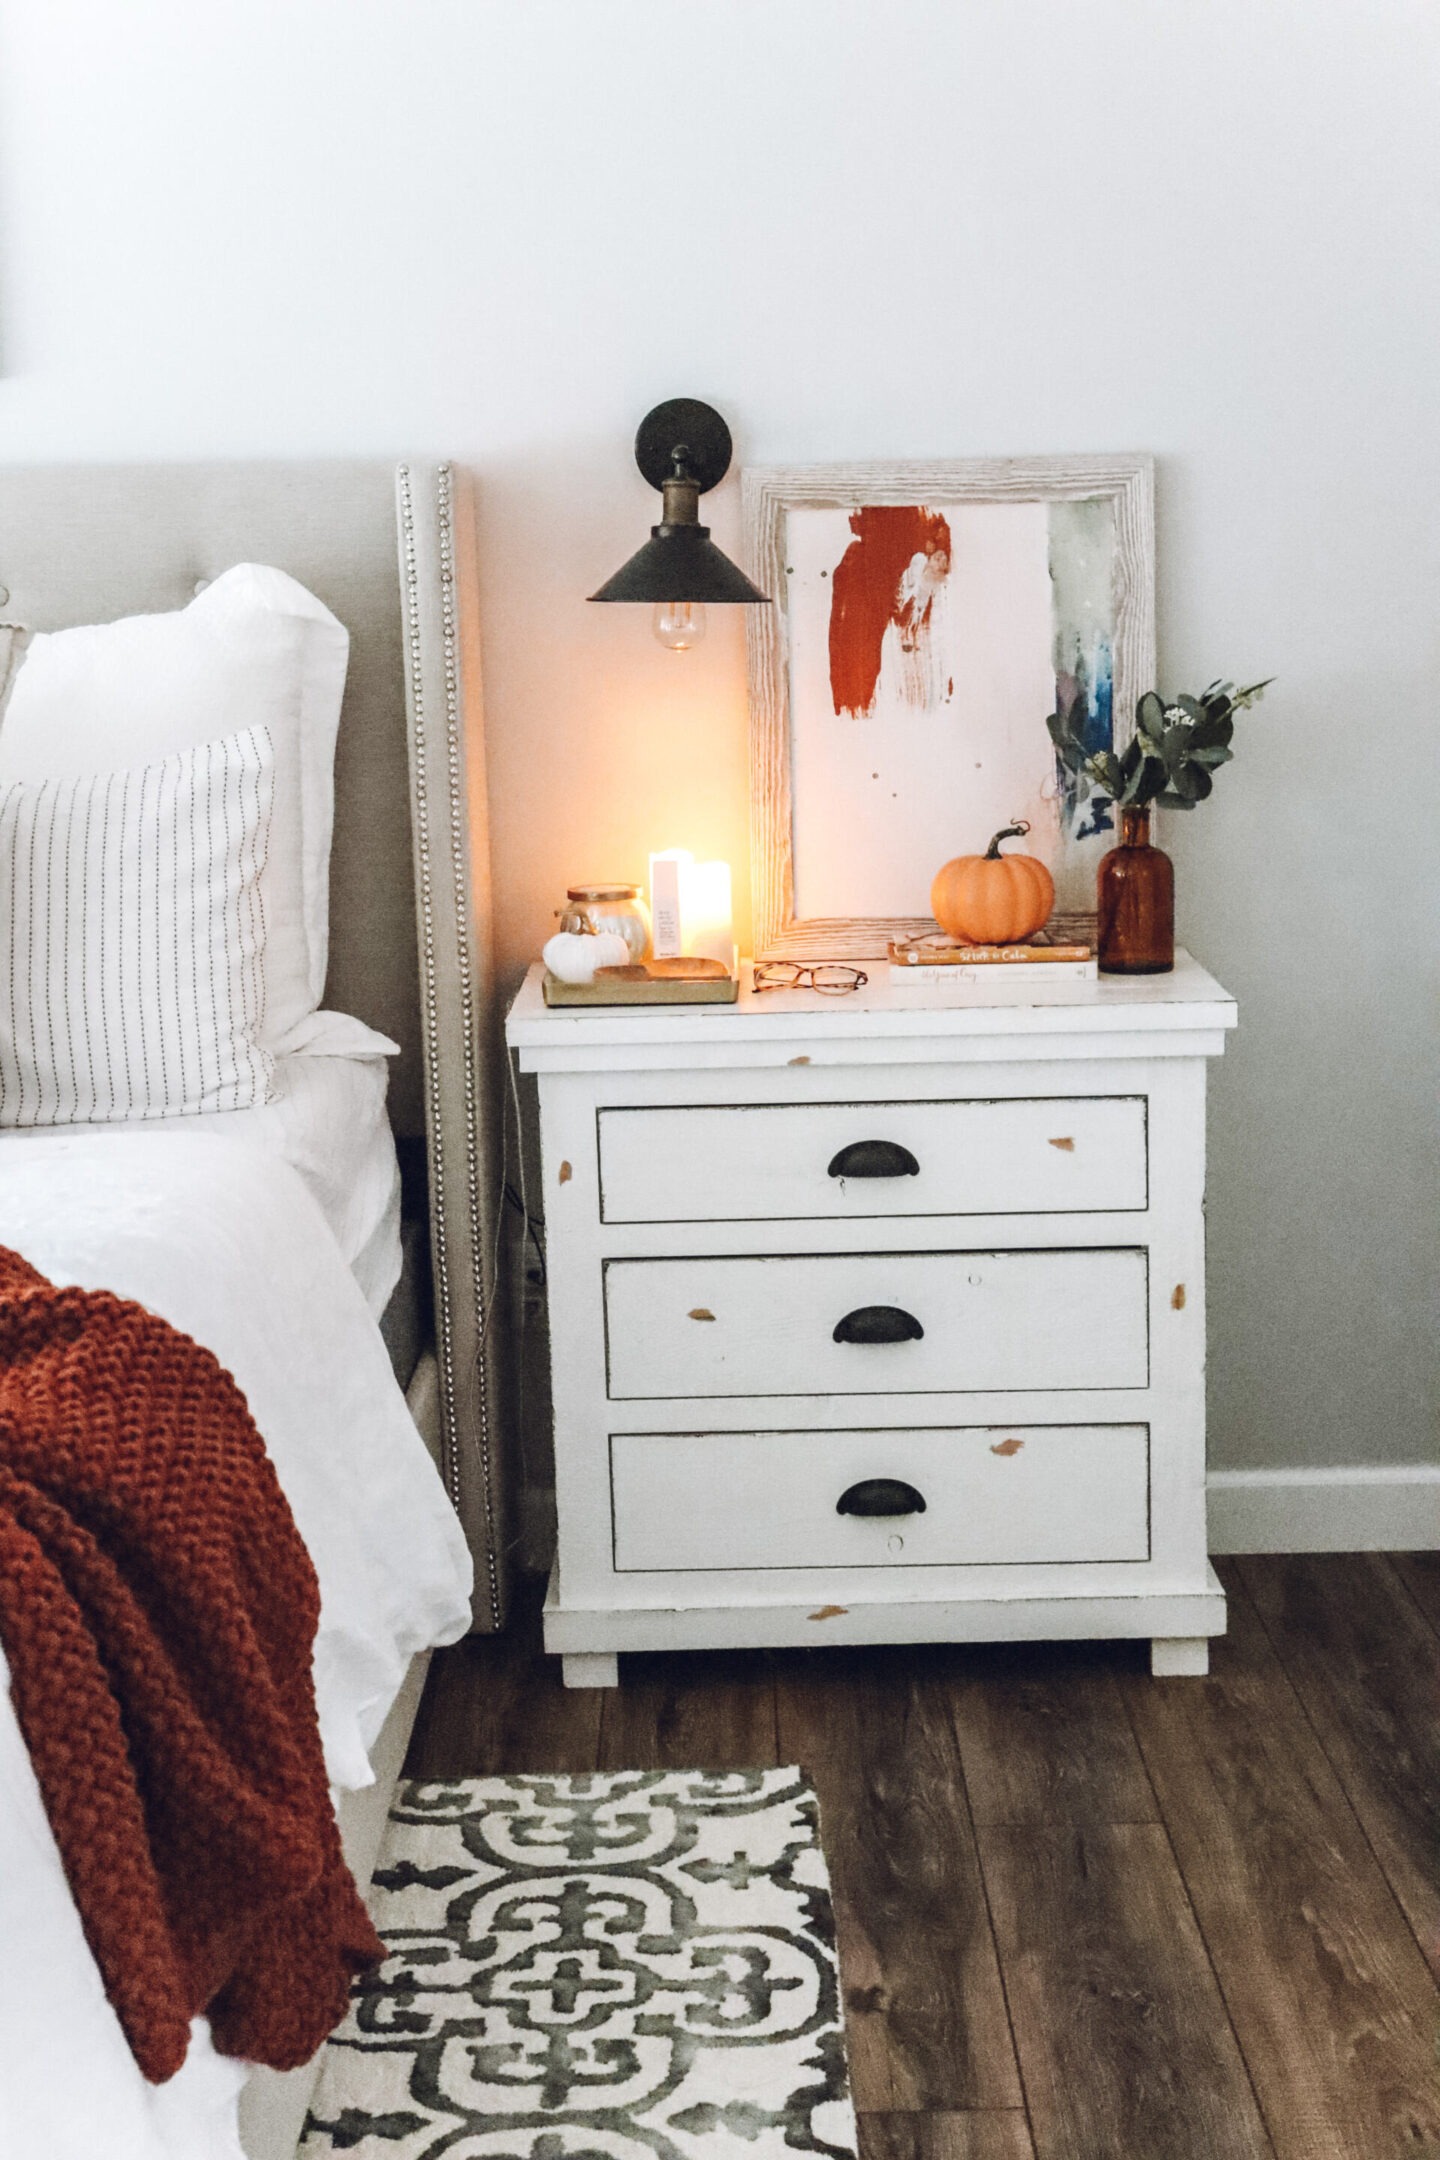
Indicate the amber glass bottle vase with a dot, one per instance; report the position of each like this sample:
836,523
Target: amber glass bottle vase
1136,892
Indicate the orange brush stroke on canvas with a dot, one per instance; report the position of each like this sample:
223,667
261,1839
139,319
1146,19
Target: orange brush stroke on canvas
868,594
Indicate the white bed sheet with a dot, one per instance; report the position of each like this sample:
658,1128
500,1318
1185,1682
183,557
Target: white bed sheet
222,1239
328,1121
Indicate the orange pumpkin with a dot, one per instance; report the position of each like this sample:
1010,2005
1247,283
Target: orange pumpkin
993,899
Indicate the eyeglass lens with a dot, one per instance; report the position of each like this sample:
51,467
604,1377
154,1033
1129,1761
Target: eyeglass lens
793,975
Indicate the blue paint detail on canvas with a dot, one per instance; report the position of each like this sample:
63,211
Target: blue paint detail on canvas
1088,693
1083,603
1100,820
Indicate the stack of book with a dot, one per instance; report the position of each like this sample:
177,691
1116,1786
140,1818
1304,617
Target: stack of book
932,967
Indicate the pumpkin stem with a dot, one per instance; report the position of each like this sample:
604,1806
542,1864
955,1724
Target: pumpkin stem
1017,831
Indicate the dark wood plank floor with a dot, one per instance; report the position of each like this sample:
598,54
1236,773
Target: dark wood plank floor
1083,1914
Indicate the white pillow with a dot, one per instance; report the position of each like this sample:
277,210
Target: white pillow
254,649
133,933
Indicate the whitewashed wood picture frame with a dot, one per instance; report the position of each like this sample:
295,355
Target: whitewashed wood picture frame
903,724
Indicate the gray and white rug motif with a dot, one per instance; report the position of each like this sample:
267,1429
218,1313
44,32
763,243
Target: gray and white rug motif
634,1965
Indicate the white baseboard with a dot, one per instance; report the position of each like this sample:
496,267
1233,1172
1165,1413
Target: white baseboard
1364,1508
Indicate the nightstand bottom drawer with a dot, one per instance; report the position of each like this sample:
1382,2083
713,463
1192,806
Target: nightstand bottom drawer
992,1496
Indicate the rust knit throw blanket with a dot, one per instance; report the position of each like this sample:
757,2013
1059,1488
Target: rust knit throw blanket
158,1609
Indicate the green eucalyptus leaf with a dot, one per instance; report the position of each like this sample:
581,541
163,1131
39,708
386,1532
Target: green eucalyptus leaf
1211,754
1130,757
1191,707
1150,715
1171,801
1152,780
1175,747
1191,781
1145,782
1106,768
1216,727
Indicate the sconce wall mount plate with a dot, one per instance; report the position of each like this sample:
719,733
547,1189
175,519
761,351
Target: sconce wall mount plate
683,423
683,448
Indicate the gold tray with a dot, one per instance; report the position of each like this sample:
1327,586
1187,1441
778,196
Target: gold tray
648,982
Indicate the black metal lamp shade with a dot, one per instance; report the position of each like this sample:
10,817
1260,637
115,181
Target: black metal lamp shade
679,562
683,448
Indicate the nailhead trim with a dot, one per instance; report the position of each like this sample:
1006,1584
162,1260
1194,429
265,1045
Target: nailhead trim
445,1322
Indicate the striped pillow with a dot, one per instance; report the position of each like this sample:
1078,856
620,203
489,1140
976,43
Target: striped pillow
132,938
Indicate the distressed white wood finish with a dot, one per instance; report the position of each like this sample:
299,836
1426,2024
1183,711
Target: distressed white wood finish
1085,1044
1054,1493
1047,1156
992,1321
590,1668
767,494
801,1623
1180,1656
1183,1014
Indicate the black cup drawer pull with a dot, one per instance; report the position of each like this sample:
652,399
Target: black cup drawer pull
878,1323
880,1496
874,1158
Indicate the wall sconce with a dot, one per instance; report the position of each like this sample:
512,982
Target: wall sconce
683,448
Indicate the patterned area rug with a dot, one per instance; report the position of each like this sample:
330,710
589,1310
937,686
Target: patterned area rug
633,1966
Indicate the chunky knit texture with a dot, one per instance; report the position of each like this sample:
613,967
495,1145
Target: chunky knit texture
158,1611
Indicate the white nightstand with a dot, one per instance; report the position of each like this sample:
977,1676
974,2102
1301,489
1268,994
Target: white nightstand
879,1321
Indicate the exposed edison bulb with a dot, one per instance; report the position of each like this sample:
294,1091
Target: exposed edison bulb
679,624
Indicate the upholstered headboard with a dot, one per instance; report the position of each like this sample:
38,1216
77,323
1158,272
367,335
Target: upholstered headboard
391,551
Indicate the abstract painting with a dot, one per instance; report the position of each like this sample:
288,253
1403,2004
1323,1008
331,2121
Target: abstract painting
928,619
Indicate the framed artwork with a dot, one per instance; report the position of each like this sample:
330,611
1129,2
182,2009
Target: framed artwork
928,618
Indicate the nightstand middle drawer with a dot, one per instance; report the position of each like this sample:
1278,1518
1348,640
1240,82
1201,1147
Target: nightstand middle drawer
878,1323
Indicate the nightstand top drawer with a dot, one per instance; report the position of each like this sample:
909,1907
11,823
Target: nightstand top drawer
990,1496
835,1161
877,1323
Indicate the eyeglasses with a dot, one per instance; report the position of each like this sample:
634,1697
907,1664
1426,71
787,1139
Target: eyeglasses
796,975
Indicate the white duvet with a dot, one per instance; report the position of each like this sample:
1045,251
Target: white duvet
223,1240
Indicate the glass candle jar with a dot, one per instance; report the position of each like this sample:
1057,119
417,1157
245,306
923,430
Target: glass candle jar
609,907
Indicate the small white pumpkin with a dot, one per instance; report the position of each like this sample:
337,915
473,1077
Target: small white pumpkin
573,956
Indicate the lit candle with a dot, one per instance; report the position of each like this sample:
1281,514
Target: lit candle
706,925
690,908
